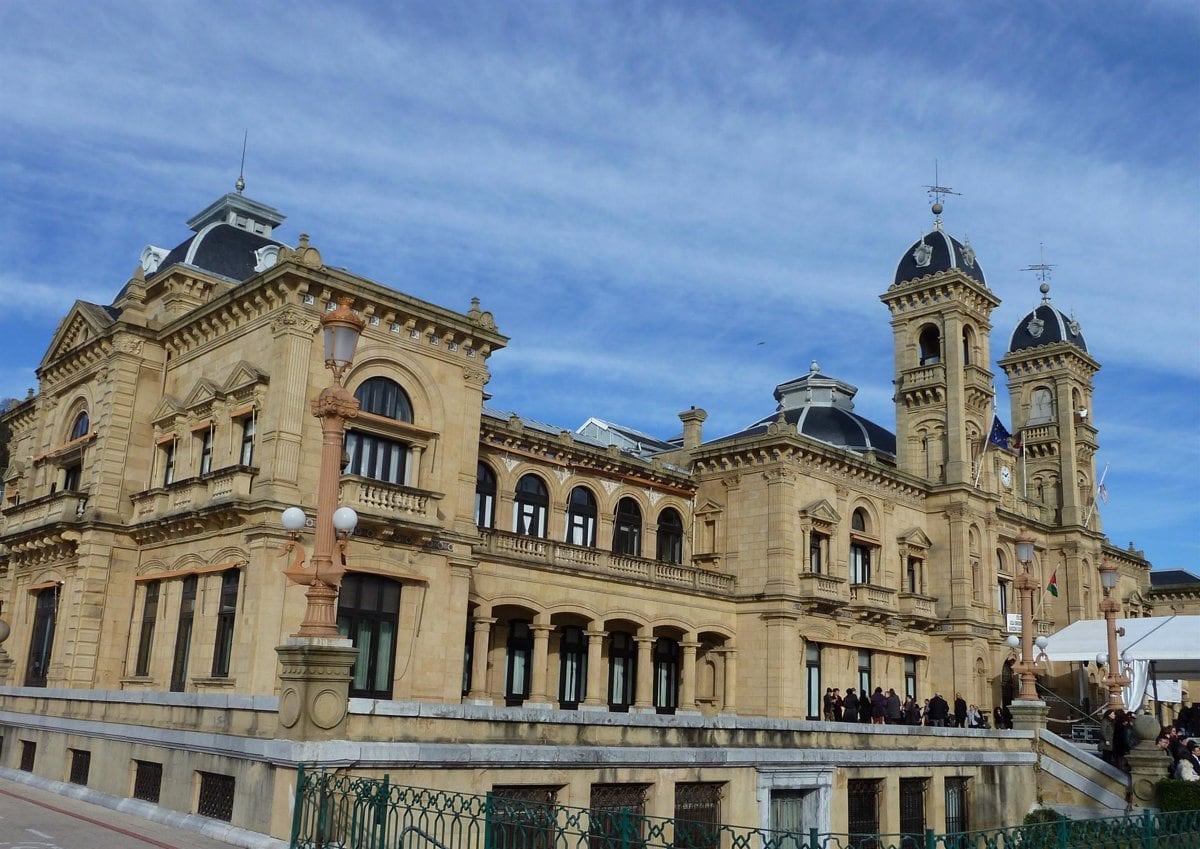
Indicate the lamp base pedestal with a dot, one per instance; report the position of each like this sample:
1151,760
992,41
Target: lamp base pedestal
1029,716
6,665
314,687
1148,764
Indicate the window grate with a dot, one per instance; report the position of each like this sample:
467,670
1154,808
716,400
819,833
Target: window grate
28,752
912,812
216,796
615,815
523,817
862,812
147,781
81,764
957,820
698,815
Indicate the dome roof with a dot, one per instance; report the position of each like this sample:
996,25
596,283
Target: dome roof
1046,325
822,408
935,252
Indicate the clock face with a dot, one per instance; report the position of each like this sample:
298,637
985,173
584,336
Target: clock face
1006,475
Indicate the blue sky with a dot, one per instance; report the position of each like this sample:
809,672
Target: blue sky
663,204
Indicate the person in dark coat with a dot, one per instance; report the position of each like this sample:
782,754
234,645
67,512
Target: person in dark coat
827,705
850,706
960,711
939,710
891,709
878,706
864,707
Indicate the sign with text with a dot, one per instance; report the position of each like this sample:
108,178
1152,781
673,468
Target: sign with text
1014,623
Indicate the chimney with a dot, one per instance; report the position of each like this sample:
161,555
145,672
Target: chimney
692,420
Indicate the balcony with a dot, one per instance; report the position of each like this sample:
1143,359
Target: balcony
223,485
821,592
918,609
545,553
394,504
67,506
873,602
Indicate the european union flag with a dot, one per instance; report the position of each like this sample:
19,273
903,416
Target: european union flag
999,436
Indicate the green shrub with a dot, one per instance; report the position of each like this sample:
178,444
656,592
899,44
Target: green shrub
1041,815
1176,795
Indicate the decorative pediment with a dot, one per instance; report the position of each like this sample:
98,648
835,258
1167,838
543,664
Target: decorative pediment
709,507
204,393
166,411
915,538
83,323
821,511
243,379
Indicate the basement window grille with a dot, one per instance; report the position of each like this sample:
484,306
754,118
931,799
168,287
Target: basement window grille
216,796
523,817
147,781
81,764
912,812
615,815
28,752
698,815
862,812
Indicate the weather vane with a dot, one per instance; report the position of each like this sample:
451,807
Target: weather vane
937,191
1042,269
241,180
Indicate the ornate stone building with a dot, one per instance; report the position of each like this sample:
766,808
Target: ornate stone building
538,608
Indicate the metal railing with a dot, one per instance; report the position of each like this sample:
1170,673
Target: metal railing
335,811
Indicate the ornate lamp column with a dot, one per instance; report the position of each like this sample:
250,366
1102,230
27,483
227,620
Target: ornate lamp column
315,681
1115,678
1028,710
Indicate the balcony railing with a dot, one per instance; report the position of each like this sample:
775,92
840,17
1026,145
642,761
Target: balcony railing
548,553
916,606
389,500
65,506
874,598
192,493
822,590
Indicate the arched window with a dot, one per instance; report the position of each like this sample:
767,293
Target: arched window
1041,406
369,613
373,455
41,641
930,342
666,675
485,496
670,536
968,342
627,528
529,507
81,425
382,396
581,517
860,548
622,670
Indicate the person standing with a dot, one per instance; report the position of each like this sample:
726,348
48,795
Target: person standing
960,711
850,706
837,705
891,708
827,705
878,706
939,711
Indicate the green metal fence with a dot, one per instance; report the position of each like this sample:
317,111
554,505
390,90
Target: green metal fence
344,812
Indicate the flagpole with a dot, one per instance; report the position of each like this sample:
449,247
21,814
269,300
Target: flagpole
1024,470
1095,497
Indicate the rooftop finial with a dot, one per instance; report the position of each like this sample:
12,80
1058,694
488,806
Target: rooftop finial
241,180
1042,269
936,191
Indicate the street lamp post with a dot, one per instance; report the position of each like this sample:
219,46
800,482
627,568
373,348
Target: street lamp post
1115,678
1027,666
334,407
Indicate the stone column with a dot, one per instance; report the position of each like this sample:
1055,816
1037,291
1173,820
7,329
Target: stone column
687,677
6,662
481,641
314,686
541,641
595,698
644,700
729,705
1029,716
1148,764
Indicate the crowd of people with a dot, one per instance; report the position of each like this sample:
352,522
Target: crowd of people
887,708
1185,762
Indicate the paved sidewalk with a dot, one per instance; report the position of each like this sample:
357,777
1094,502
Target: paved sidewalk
38,812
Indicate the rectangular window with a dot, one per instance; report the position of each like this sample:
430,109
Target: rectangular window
615,816
864,674
168,463
816,552
523,817
41,643
206,451
147,781
860,564
572,668
183,635
226,613
81,764
376,457
1002,596
698,815
787,815
71,478
913,581
622,671
28,753
246,456
216,796
910,676
519,650
812,668
146,637
862,812
912,812
957,821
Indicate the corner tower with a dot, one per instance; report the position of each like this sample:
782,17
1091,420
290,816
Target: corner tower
941,325
1050,384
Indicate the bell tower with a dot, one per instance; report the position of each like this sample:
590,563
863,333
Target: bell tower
941,325
1050,384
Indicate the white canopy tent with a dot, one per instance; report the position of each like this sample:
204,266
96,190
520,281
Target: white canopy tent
1165,648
